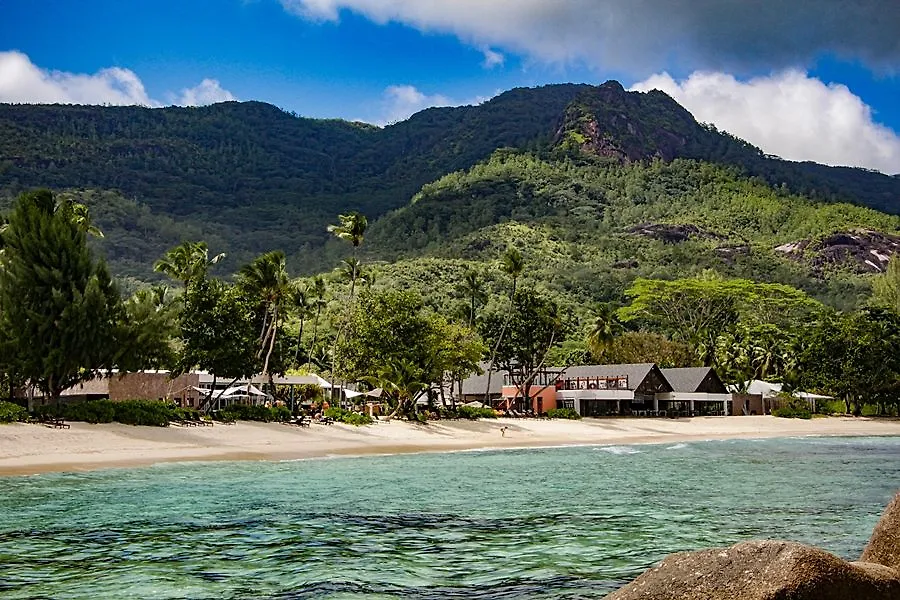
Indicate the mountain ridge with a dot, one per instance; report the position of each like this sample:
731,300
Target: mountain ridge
251,177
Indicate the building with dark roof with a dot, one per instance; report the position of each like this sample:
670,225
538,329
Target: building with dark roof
600,390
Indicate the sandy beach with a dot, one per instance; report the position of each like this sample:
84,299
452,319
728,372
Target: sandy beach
28,448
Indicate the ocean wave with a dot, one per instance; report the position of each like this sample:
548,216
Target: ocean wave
620,450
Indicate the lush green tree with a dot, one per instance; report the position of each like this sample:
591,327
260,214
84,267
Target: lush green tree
854,357
633,347
886,287
186,262
59,307
537,325
699,310
219,331
148,330
391,335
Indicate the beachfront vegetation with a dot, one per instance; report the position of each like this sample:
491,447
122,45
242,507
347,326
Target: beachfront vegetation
10,413
564,413
348,417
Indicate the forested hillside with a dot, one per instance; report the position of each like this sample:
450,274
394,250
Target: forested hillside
248,177
589,228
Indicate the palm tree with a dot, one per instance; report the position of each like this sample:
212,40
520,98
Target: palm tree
513,264
301,306
186,262
77,213
318,293
351,229
473,287
267,279
403,380
604,330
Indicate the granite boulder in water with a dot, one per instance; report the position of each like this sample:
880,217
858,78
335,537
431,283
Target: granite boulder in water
777,570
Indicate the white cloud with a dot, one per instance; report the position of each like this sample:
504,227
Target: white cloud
401,101
492,58
208,91
643,36
21,81
789,114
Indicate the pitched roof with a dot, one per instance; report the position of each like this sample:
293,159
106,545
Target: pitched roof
635,373
476,384
686,380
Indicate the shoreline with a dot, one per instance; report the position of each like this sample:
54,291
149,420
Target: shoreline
28,449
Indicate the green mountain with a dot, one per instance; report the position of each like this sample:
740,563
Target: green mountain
598,184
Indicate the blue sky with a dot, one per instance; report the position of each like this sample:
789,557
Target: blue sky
817,83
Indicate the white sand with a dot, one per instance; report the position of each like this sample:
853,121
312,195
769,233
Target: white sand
26,449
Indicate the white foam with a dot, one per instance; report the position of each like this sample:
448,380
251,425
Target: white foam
677,447
620,450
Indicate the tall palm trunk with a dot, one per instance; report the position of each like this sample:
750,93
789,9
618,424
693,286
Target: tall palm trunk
315,335
490,370
299,342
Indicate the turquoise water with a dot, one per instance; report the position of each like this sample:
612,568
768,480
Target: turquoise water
549,523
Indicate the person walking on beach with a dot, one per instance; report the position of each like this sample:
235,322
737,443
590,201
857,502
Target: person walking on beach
503,431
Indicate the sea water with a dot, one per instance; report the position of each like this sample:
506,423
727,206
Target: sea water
540,523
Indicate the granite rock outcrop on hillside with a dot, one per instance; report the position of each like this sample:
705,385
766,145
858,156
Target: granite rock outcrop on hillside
777,570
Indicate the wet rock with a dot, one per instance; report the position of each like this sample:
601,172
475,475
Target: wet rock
777,570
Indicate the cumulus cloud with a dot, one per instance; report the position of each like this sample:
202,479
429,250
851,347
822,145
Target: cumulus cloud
644,36
21,81
208,91
401,101
789,114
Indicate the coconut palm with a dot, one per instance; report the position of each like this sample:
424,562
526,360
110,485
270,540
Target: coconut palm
78,214
301,306
403,381
604,330
317,294
513,264
186,262
351,229
473,288
266,279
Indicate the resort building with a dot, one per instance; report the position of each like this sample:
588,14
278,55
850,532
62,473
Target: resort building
606,390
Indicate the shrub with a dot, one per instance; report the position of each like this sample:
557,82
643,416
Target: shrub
246,412
143,412
10,413
474,412
796,408
281,413
91,411
563,413
348,417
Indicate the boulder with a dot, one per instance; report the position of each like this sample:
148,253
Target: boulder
884,546
777,570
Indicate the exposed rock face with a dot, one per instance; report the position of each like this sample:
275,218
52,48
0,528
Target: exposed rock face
864,251
777,570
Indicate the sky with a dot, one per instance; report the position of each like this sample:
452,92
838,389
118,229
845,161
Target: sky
812,80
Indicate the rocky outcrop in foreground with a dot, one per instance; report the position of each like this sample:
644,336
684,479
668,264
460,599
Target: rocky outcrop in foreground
777,570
